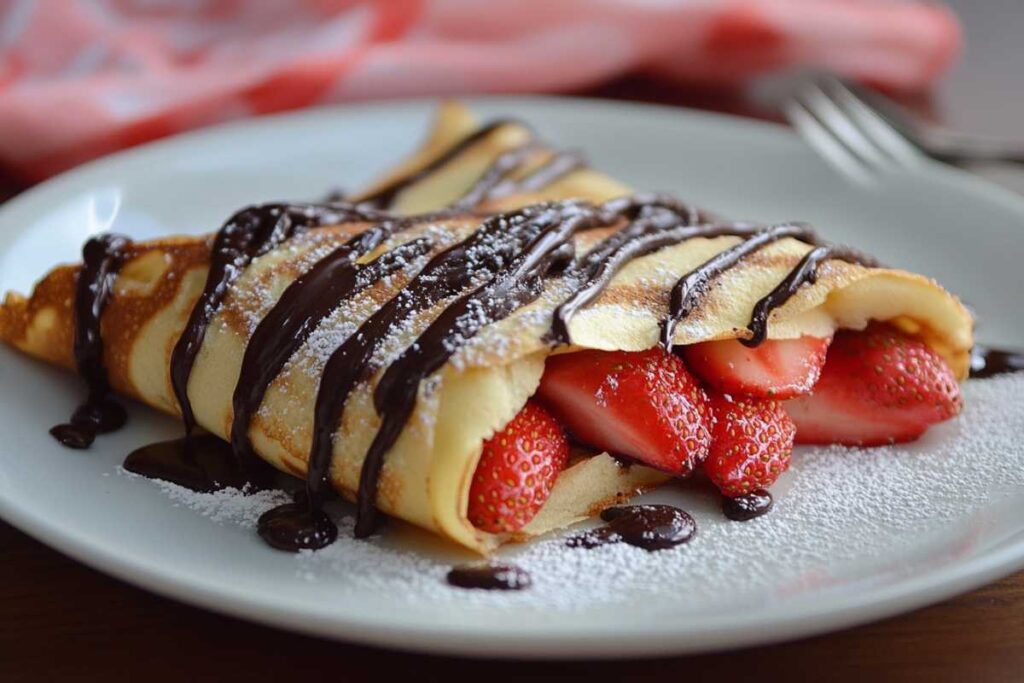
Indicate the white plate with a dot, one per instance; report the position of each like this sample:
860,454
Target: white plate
815,564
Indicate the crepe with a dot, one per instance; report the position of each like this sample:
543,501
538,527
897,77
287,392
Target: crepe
427,473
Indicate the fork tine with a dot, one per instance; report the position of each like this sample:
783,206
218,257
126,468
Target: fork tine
825,143
836,120
883,133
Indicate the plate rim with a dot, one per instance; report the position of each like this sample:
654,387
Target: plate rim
901,596
889,601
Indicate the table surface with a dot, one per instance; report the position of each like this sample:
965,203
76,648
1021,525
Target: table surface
60,619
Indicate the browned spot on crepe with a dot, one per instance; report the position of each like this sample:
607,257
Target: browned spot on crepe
127,312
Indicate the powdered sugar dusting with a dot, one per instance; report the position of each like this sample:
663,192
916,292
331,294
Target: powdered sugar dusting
229,506
840,515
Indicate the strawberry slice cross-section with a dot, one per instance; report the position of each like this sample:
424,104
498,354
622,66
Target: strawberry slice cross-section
644,405
776,369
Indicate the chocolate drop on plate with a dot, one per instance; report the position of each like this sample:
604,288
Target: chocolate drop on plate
95,416
102,257
651,527
297,526
73,436
490,577
750,506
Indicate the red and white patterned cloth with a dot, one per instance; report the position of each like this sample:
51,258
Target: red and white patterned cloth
81,78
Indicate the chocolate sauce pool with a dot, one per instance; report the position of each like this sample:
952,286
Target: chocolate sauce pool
200,462
651,527
748,507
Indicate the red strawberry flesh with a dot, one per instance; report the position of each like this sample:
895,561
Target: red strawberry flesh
517,471
776,369
751,444
644,405
878,386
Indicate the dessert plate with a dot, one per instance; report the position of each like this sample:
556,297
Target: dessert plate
854,536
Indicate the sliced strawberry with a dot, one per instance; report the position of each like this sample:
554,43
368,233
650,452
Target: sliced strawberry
778,368
751,444
878,386
644,405
517,470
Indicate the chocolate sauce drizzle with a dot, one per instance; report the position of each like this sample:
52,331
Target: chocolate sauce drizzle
384,198
689,290
102,258
494,184
250,233
511,287
300,309
805,272
502,266
559,165
487,186
989,362
502,577
446,275
650,231
651,527
201,462
519,253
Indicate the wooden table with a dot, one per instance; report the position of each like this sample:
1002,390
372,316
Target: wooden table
60,620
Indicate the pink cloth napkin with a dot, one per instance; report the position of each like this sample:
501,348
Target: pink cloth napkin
81,78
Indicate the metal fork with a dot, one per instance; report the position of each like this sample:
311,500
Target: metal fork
938,142
847,132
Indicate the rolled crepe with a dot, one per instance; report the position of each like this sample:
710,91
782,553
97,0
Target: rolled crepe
427,474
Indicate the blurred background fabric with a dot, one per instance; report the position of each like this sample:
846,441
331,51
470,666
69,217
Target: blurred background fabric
82,78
